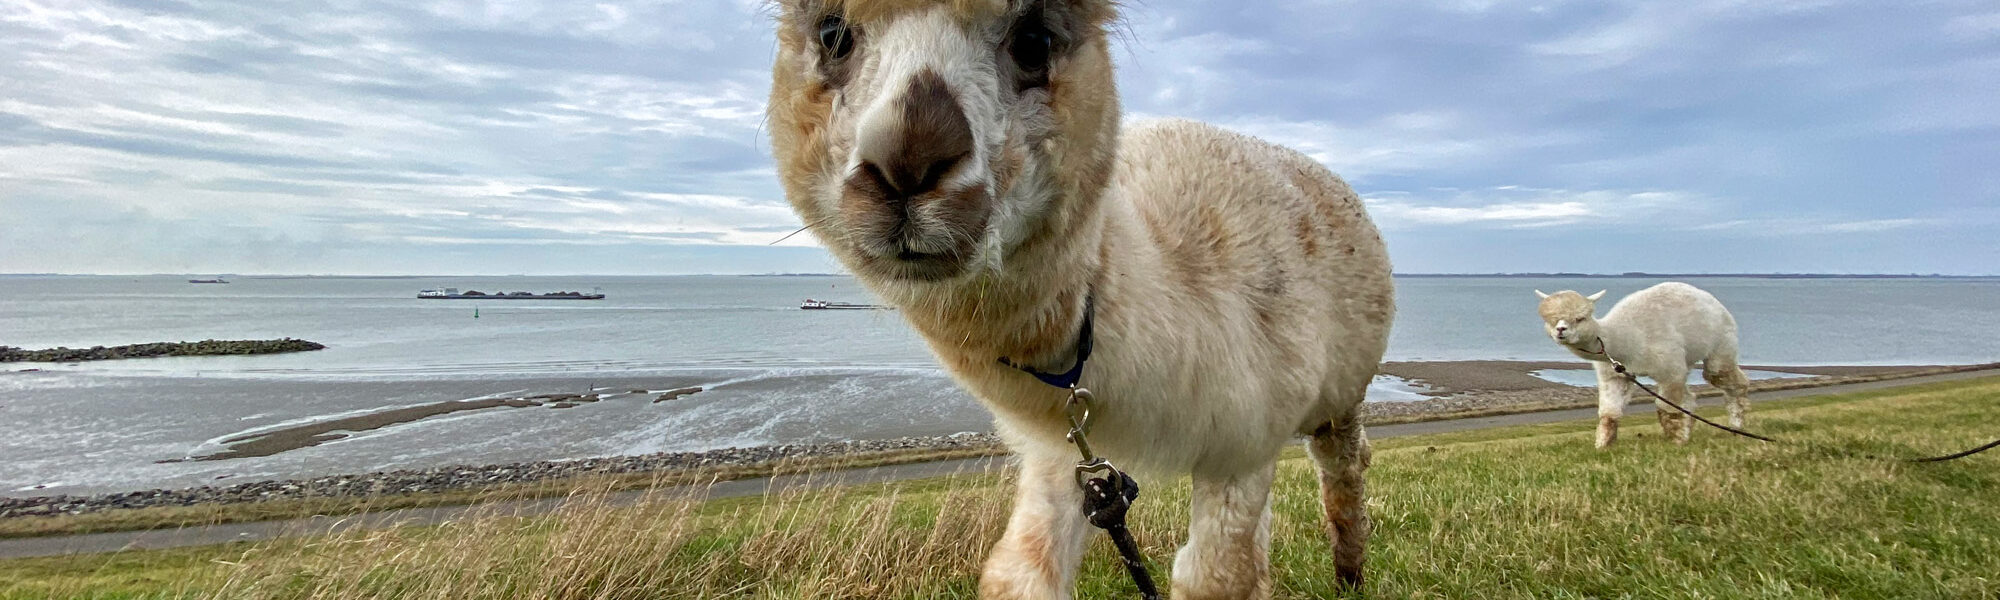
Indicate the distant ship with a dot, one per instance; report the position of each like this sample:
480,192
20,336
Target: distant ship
811,304
454,294
216,280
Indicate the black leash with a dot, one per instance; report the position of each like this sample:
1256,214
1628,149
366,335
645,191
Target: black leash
1620,367
1104,504
1107,492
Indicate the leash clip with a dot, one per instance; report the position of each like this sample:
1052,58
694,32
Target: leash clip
1078,409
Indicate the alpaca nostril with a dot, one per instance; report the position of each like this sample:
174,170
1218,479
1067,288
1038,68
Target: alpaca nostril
913,155
909,180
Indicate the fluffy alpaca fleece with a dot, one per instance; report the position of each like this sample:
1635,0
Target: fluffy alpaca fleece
1659,332
965,160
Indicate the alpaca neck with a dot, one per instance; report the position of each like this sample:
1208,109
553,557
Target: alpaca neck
1613,339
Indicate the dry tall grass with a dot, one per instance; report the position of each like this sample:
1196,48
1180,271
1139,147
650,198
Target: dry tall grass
806,542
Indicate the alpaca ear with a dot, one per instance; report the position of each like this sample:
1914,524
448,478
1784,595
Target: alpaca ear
1594,297
1539,294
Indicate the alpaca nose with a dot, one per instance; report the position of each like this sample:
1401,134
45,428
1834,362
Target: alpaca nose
1560,329
911,154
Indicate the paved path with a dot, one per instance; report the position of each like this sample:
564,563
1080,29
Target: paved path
264,530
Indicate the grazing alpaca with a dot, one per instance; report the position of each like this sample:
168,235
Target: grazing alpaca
965,160
1659,332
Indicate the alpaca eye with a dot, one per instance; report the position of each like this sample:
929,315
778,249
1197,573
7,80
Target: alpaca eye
835,36
1031,45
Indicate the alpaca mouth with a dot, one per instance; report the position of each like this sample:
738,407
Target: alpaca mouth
922,239
908,255
915,265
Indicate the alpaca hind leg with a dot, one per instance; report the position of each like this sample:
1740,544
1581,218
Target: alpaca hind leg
1340,449
1228,553
1735,386
1038,555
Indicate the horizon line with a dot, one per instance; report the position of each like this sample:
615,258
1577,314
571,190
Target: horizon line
1517,274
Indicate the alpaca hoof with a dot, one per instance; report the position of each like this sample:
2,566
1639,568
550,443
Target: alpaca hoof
1350,577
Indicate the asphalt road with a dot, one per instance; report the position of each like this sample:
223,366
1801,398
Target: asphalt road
264,530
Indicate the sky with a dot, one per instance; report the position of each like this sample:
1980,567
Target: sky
461,137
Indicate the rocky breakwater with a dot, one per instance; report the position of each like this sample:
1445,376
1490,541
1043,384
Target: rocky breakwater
201,348
470,476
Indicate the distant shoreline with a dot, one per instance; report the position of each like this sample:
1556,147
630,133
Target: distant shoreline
1639,275
1629,275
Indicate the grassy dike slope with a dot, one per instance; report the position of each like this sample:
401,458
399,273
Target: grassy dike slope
1524,512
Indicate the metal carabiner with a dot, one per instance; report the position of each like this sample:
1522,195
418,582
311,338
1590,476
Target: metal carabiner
1085,469
1078,409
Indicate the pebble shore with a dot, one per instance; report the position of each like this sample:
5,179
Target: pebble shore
466,477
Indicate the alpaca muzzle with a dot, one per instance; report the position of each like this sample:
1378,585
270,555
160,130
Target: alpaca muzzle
903,209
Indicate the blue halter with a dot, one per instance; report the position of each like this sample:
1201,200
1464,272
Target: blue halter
1067,379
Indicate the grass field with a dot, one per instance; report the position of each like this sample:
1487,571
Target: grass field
1525,512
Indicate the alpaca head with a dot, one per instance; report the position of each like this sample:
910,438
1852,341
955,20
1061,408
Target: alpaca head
922,140
1568,317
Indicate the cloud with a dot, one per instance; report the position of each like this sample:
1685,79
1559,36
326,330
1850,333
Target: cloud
343,136
1974,27
1816,226
1519,207
1397,143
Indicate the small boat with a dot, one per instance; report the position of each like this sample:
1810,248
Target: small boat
216,280
454,294
811,304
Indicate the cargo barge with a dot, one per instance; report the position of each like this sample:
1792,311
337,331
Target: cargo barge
454,294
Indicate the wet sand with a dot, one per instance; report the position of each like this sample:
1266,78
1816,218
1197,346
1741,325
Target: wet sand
266,443
1455,388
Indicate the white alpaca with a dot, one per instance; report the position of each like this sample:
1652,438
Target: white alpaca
1658,332
965,160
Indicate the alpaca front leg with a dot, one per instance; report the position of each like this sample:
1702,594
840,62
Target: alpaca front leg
1613,392
1229,539
1037,557
1739,406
